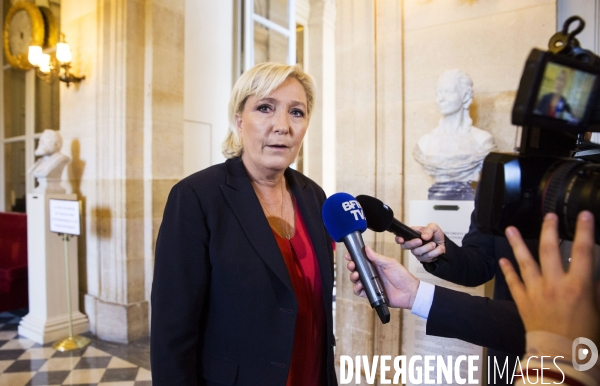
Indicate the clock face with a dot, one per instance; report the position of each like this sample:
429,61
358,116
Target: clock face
24,26
19,29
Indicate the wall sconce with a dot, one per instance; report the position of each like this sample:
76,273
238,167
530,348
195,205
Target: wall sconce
47,69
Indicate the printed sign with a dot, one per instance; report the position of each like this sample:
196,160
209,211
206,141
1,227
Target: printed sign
65,217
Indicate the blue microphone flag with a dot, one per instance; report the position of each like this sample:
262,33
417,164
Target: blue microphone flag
342,215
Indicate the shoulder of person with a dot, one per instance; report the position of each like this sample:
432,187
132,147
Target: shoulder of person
300,177
205,180
211,172
303,180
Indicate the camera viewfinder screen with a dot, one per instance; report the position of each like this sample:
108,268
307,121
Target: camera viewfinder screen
564,93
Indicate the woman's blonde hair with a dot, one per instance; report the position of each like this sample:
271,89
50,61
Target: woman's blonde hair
261,80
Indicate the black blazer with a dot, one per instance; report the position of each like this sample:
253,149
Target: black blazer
223,306
495,324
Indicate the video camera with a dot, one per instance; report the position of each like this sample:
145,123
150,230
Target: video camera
556,170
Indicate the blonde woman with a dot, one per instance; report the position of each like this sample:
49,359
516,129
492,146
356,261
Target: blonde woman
243,278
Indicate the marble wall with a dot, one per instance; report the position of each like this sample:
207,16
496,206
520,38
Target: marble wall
389,56
490,41
124,128
369,159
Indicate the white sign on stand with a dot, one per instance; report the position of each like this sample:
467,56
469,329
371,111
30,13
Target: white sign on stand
49,317
454,217
65,217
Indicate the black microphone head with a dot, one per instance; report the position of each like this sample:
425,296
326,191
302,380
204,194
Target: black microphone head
379,216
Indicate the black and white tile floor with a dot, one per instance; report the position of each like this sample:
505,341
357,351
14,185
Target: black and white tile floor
24,362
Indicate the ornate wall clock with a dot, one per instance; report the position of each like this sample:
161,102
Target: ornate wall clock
23,27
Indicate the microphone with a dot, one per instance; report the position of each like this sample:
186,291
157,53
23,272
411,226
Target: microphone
380,218
345,221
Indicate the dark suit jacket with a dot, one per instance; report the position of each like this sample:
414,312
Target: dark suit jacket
495,324
223,306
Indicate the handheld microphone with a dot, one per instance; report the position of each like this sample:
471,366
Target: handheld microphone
345,221
380,218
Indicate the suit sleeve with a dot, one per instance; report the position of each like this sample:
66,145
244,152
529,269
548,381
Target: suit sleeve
479,320
472,264
179,290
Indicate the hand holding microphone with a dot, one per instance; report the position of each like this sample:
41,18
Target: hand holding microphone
428,252
400,285
345,221
380,218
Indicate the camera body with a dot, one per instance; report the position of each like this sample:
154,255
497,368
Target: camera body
555,170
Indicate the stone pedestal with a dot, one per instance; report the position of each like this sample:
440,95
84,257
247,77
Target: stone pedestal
48,318
49,185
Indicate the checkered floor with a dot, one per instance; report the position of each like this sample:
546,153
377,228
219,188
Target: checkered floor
24,362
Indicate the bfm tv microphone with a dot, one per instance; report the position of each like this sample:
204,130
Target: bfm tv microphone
380,218
345,221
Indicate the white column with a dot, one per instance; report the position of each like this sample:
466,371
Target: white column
320,158
131,135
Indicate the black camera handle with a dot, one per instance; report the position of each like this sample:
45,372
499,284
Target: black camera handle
564,42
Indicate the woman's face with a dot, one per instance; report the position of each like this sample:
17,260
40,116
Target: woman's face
272,128
560,82
448,98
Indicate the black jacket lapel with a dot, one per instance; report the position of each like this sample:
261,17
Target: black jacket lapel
243,200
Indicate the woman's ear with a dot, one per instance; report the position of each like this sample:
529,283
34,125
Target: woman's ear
238,122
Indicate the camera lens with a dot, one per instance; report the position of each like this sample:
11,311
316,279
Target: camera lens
568,188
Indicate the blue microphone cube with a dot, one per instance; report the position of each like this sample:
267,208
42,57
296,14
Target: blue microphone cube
342,215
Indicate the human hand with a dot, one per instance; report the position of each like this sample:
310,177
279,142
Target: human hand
552,300
400,285
427,252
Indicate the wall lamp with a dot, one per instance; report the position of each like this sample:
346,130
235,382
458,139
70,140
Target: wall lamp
46,67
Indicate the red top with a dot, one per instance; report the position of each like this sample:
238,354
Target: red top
309,355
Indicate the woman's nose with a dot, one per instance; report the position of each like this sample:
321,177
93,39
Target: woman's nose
282,124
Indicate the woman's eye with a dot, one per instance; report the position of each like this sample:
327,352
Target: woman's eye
264,108
298,113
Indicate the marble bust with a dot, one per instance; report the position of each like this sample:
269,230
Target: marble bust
452,153
49,167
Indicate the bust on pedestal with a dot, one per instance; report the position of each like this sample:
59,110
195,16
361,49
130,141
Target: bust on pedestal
48,169
48,318
452,154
